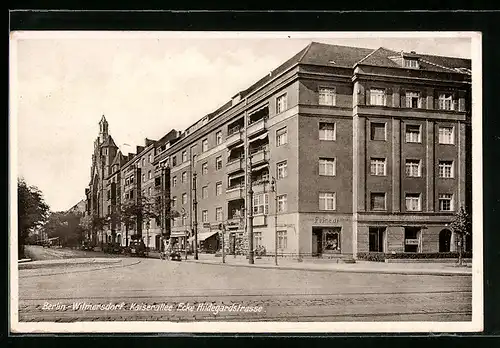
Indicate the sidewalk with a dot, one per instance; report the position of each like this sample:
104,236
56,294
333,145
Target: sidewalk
444,269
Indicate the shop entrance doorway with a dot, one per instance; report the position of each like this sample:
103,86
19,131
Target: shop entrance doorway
325,240
377,238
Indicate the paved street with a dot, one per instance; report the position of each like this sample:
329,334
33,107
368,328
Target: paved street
284,295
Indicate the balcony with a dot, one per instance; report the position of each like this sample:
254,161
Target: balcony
235,192
234,137
234,165
257,127
235,222
259,155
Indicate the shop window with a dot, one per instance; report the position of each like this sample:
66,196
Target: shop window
412,239
331,239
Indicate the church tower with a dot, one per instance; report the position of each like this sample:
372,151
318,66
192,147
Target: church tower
103,129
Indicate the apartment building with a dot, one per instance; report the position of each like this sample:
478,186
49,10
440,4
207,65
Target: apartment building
349,149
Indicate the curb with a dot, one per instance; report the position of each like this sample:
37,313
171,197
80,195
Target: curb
382,271
43,264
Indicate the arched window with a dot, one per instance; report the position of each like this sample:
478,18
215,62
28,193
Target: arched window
444,241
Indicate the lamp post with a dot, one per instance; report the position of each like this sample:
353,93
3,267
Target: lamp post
185,237
195,219
147,237
274,188
250,212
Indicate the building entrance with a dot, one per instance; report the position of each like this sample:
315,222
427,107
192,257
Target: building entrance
412,239
377,238
444,241
325,240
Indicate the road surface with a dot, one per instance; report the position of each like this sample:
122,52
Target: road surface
187,291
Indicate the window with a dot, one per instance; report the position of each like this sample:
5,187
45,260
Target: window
281,169
143,177
150,158
218,163
218,214
174,181
445,202
109,209
257,239
377,131
446,101
184,220
446,135
149,174
204,216
377,166
282,240
377,97
174,202
377,201
326,131
327,166
184,177
413,100
413,202
261,203
184,198
132,179
281,103
327,201
143,162
282,203
413,168
204,145
149,191
131,195
204,192
184,156
204,168
218,138
413,134
174,161
411,63
327,96
281,136
446,169
218,189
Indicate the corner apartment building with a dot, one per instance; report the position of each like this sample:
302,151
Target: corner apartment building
348,149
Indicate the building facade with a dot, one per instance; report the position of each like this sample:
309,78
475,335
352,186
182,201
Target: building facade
344,150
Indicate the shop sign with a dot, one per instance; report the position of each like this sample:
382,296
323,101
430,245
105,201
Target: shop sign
326,221
411,241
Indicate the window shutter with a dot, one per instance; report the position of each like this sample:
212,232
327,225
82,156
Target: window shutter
403,99
367,96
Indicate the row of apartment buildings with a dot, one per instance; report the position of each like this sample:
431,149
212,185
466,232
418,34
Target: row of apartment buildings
346,149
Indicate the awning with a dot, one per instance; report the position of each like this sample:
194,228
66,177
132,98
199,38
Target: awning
262,166
236,147
257,109
204,235
236,176
260,137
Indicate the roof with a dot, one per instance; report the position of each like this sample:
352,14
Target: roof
108,141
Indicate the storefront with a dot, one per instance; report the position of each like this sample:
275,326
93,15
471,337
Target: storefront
325,235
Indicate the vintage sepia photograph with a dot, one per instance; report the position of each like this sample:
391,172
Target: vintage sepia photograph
245,182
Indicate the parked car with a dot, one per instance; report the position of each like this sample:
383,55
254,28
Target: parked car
137,247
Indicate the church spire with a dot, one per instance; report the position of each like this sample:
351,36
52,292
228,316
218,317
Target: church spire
103,129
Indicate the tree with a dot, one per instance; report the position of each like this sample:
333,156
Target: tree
32,212
66,226
462,226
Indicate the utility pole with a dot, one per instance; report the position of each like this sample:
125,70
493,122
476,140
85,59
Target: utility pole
274,187
195,218
250,212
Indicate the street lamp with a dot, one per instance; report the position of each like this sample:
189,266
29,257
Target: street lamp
274,188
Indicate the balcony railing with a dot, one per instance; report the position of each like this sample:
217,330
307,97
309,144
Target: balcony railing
234,165
257,126
235,192
234,137
259,155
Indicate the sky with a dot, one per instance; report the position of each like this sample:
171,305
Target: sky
145,84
